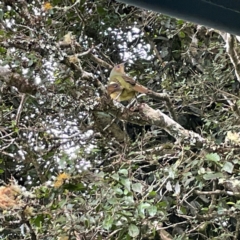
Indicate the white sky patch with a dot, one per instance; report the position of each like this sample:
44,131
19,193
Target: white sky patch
135,30
37,80
129,36
140,50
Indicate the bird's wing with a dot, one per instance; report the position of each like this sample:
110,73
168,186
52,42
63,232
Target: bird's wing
129,80
135,86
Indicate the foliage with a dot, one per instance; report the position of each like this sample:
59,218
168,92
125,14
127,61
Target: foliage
85,174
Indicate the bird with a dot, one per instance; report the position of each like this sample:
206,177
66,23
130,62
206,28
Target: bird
122,87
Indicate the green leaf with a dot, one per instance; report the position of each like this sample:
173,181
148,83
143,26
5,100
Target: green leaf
133,230
211,176
37,222
123,171
61,219
213,157
137,187
182,210
2,50
126,213
101,10
100,174
228,167
118,190
237,205
152,194
180,22
107,223
2,33
115,176
142,207
221,211
126,183
74,187
128,200
152,210
113,201
30,63
181,34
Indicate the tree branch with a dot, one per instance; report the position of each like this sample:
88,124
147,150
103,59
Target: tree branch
165,97
232,53
145,115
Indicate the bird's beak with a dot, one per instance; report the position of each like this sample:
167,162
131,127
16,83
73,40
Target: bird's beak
123,63
120,64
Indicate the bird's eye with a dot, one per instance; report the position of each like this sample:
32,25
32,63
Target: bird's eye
118,66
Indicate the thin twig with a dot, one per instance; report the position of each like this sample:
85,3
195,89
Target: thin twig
67,8
23,97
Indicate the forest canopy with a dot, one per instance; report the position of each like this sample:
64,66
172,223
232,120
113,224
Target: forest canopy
75,164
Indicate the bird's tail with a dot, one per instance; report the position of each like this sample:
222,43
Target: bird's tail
140,88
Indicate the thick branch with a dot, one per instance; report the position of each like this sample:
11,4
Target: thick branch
216,192
156,117
232,53
165,97
145,115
